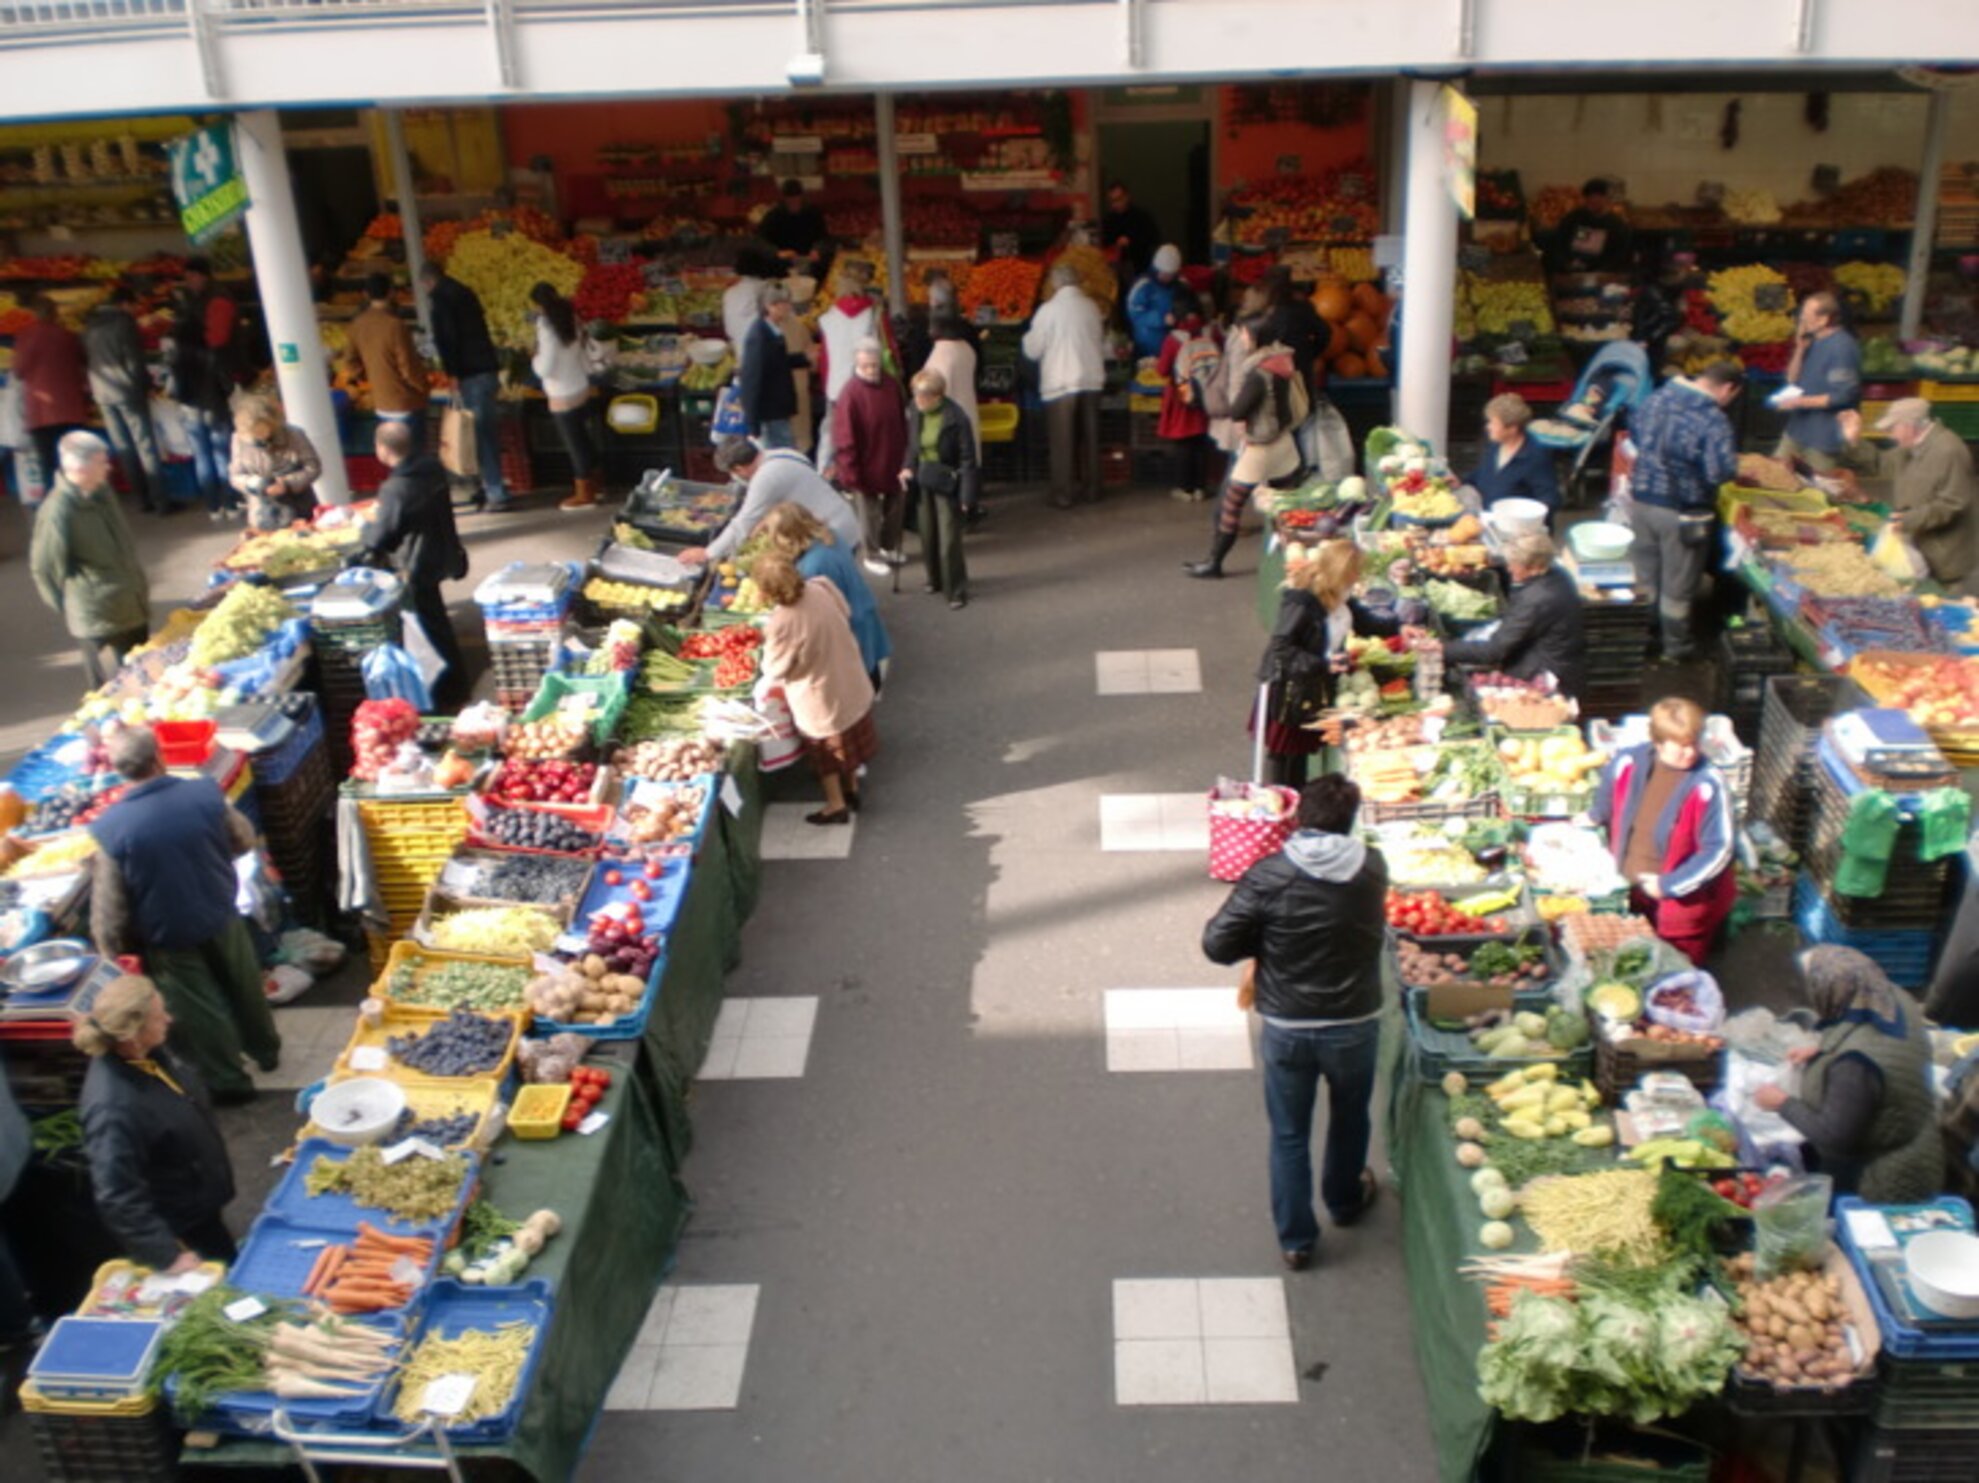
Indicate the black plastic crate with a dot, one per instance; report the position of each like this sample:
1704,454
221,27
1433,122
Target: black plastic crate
1922,1395
1886,1456
106,1449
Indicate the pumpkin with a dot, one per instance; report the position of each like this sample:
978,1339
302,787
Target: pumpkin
1333,302
1363,331
1371,301
1350,366
1376,366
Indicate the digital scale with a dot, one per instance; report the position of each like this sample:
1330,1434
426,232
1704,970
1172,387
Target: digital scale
1606,575
1876,1236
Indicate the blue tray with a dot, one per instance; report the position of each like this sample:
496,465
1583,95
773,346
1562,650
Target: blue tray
1902,1339
338,1212
250,1413
454,1308
95,1359
710,782
1905,954
38,774
659,913
271,1264
625,1027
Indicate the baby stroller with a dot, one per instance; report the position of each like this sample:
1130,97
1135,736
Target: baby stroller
1616,380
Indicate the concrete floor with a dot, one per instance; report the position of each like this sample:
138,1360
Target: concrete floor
935,1212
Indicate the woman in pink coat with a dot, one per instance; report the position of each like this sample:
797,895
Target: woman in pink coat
809,648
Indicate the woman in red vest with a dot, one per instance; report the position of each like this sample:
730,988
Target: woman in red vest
1671,824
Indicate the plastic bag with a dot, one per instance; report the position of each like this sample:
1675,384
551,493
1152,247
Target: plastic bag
391,674
1689,1001
1897,557
1790,1225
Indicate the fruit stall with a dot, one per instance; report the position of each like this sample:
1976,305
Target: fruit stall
554,894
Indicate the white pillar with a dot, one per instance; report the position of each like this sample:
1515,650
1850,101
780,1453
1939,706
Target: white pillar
1924,229
1429,274
407,192
281,269
892,230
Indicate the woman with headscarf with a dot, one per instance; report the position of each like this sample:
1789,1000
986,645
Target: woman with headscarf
1865,1105
157,1164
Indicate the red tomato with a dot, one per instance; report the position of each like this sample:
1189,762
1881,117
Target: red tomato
572,1118
614,878
655,869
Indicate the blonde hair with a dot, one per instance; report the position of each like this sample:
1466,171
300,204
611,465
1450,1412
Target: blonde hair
118,1014
255,409
777,579
1675,719
1533,551
1509,408
1330,573
791,530
930,383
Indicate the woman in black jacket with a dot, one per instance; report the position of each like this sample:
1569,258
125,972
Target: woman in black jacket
157,1163
1541,631
1306,651
941,463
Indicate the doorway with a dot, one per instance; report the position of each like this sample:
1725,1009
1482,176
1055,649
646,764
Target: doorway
1165,164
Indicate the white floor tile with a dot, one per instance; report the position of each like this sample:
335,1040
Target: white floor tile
1176,1030
1184,822
1121,671
761,1039
1129,821
796,1015
1143,1050
654,1330
1249,1372
719,1063
1159,1372
1140,1009
698,1377
634,1380
1244,1308
732,1018
712,1313
777,1058
787,837
1213,1050
1156,1308
1174,672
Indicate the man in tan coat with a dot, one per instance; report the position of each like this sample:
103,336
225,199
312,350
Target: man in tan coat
1936,502
381,350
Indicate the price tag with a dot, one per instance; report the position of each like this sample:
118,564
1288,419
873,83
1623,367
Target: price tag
244,1309
192,1284
593,1123
369,1058
731,798
448,1395
399,1152
1869,1230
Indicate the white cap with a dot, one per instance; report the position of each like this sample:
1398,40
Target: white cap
1168,259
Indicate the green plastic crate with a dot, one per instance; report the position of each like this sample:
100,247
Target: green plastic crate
555,688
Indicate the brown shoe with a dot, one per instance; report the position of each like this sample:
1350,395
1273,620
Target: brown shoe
1297,1261
585,497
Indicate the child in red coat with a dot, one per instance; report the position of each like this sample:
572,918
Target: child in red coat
1188,355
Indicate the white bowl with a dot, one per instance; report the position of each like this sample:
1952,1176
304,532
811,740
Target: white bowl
1943,1267
359,1111
707,352
1517,517
1600,540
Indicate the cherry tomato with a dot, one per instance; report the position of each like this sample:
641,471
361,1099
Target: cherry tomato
655,869
614,878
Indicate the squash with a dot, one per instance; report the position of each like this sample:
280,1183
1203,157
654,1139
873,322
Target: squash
1349,366
1333,301
1371,301
1363,331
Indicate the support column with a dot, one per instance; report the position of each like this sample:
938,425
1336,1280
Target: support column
892,230
408,202
1924,228
1429,274
281,268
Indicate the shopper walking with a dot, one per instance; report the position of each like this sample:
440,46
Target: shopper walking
120,381
274,467
563,364
1188,355
158,1166
1540,632
84,562
869,431
1936,500
774,476
1685,449
163,887
1151,301
206,370
809,649
766,382
53,373
1270,403
940,468
414,526
467,356
1068,341
1827,367
857,315
382,351
1310,920
797,535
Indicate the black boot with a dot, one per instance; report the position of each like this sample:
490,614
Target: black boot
1219,548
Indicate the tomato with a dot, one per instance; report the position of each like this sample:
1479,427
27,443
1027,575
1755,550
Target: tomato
572,1118
614,878
655,869
641,891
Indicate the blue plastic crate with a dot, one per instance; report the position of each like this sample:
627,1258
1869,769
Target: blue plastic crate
659,913
626,1026
1905,955
1901,1339
250,1413
278,1255
38,773
95,1359
339,1212
452,1309
278,764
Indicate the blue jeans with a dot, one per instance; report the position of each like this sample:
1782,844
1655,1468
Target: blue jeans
128,427
1294,1062
777,433
478,395
212,437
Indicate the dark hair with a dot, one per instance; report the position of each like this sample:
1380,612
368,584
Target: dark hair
431,271
377,286
558,310
201,265
1329,804
123,293
1723,373
394,438
1595,187
945,327
1184,302
791,188
735,453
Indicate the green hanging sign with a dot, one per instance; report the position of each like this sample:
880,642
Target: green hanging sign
207,182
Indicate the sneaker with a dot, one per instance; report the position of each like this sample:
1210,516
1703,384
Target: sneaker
877,567
894,558
1187,496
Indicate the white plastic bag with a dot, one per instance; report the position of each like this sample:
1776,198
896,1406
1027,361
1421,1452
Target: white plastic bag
1897,557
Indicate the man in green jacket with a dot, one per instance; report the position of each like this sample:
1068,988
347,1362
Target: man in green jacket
85,563
1936,502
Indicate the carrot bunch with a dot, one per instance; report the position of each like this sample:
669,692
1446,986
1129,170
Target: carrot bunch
357,1278
1498,1297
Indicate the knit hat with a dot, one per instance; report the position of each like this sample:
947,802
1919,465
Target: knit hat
1168,259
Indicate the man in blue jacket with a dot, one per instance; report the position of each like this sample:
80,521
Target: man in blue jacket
766,384
163,888
1684,450
1151,302
1827,367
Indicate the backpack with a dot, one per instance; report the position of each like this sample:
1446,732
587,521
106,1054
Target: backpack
1264,425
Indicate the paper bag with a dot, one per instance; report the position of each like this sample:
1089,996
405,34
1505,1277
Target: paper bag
459,452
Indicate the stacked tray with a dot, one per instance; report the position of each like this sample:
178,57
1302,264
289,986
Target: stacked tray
1905,954
1783,769
1748,657
1617,636
1914,890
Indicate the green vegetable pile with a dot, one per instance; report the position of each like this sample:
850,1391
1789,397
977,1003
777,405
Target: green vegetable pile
1463,770
1455,600
412,1189
239,625
1522,1160
482,1226
460,985
210,1354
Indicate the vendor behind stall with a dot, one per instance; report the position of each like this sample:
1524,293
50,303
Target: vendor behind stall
1935,503
1540,632
1671,826
1593,237
157,1164
1514,466
1865,1104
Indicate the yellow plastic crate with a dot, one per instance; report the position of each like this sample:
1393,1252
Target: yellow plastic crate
34,1402
537,1112
398,1020
1949,391
430,1097
421,958
999,421
114,1271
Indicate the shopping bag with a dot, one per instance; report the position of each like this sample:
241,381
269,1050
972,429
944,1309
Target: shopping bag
459,451
391,673
1325,442
729,421
1897,557
1247,822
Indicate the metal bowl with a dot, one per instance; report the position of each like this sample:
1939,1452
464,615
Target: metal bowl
1943,1267
48,967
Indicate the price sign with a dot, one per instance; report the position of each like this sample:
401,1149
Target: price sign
448,1395
1004,244
369,1058
594,1123
244,1309
398,1153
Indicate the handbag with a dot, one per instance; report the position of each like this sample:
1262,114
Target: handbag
938,479
730,421
1301,687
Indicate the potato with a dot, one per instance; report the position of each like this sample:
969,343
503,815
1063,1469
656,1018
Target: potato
594,967
1802,1341
1791,1311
